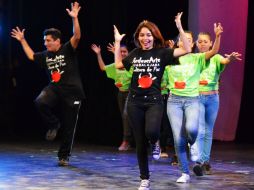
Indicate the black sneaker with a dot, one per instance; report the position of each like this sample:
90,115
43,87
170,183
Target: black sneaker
63,162
207,168
51,134
197,169
156,151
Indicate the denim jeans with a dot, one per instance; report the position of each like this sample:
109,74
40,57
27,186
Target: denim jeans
144,113
208,110
183,114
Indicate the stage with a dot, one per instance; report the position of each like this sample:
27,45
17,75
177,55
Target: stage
33,166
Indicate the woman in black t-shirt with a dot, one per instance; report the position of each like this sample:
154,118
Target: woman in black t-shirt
145,103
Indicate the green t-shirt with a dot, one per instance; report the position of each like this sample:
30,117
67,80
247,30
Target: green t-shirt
122,77
184,78
164,82
209,77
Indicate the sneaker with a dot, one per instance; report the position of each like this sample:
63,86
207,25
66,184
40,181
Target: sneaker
164,155
156,150
124,146
185,178
144,184
207,168
174,161
63,162
51,134
197,169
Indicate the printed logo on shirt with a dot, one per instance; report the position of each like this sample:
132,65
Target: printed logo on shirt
145,81
55,66
145,68
203,82
180,85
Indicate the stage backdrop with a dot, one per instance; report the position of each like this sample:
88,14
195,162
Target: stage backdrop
233,16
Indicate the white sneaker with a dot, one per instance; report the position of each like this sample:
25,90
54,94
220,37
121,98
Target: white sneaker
156,150
185,178
144,184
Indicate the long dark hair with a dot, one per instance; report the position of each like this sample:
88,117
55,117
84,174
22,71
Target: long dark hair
158,38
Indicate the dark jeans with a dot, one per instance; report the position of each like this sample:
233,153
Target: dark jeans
122,103
47,100
145,115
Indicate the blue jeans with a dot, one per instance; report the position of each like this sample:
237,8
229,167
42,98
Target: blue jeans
208,110
183,114
144,114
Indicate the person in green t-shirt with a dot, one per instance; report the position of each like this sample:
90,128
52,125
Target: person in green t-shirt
122,79
166,135
183,101
209,98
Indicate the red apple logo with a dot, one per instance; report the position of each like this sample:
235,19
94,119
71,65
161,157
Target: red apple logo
145,81
203,82
180,84
118,85
56,75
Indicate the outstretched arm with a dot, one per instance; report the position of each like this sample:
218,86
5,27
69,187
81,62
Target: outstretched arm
75,8
216,46
186,43
231,57
97,51
118,56
19,35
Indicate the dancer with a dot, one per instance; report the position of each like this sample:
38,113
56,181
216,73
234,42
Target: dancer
65,87
183,101
166,136
209,99
122,79
145,103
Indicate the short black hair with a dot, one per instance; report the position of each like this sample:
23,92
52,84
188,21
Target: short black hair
124,46
55,33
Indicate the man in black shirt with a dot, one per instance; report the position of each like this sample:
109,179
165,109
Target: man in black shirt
65,87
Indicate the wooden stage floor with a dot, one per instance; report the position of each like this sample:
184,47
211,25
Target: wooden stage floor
33,166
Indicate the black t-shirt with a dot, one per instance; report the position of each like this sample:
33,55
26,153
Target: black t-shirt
148,68
62,69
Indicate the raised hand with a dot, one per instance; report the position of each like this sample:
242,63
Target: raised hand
118,36
178,20
218,29
111,47
96,49
75,8
233,56
17,33
171,43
